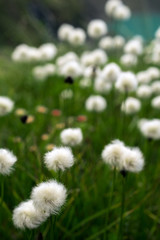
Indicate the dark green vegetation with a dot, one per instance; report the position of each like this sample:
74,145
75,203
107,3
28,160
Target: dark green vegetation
89,181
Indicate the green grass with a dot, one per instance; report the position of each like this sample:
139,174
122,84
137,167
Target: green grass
89,181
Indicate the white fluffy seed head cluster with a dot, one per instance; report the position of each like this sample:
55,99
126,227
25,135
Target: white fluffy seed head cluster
131,105
6,105
71,136
112,43
96,103
156,102
110,72
25,215
7,160
97,28
94,58
75,36
47,198
59,158
117,10
150,128
134,46
71,68
42,72
129,60
25,53
126,82
122,157
144,91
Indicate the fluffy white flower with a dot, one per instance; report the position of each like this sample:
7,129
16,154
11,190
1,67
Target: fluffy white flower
42,72
128,60
119,41
126,82
77,36
64,31
66,94
59,158
25,53
110,73
62,60
131,105
153,72
71,136
47,51
6,105
102,86
134,47
99,57
106,43
122,12
111,5
150,128
7,160
123,158
156,102
144,91
49,197
71,68
85,82
96,103
25,215
97,28
113,153
133,160
143,77
156,87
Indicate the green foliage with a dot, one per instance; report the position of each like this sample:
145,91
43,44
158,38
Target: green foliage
89,181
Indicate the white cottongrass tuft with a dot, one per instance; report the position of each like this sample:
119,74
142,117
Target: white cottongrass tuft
133,160
150,128
156,87
77,36
25,215
97,28
96,103
156,102
113,154
128,60
64,31
110,72
123,158
59,158
6,105
49,197
7,160
126,82
131,105
71,136
144,91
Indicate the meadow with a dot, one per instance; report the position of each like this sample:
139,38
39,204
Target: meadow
103,201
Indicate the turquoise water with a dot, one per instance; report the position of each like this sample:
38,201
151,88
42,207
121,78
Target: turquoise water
139,24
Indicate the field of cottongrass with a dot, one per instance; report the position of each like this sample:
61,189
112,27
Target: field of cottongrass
80,135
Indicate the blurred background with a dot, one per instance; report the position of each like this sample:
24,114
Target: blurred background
36,21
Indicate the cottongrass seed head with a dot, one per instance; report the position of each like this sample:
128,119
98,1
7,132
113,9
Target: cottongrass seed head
7,160
25,215
59,158
96,103
71,136
113,153
49,197
123,158
6,105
